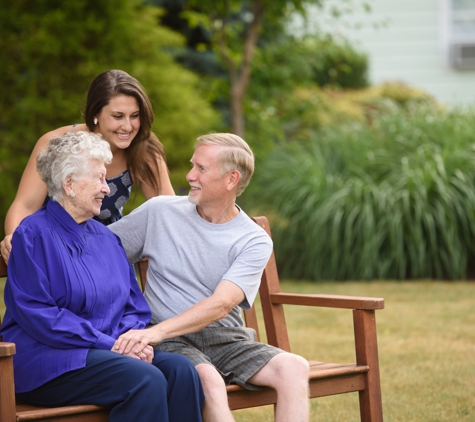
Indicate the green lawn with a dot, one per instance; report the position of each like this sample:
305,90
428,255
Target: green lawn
426,343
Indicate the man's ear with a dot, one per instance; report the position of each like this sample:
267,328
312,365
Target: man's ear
234,176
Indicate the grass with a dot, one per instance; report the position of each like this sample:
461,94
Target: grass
426,348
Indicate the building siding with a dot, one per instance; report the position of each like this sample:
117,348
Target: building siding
406,41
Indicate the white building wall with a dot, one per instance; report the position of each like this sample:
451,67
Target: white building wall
406,40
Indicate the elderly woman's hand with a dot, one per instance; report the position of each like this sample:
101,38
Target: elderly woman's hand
6,247
146,354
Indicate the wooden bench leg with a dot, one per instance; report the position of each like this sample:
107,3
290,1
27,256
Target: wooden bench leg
371,408
7,391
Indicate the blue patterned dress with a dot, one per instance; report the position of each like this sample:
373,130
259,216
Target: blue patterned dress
113,204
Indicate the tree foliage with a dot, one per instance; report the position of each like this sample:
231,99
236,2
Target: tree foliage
282,64
235,27
285,97
51,50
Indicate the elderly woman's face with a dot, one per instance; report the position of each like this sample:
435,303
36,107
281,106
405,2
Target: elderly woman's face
90,190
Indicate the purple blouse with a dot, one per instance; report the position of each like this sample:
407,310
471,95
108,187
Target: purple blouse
70,288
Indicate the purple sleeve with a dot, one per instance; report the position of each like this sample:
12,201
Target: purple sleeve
42,296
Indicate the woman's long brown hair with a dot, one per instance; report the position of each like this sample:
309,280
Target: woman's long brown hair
145,150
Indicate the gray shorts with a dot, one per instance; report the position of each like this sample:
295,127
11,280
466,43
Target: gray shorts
234,352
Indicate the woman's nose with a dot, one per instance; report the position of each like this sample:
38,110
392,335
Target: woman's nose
127,125
105,188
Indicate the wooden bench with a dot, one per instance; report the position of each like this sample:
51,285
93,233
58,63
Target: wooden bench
325,379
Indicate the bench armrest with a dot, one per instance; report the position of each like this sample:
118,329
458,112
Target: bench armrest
7,391
7,349
328,301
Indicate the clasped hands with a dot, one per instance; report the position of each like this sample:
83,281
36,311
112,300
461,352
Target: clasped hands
146,354
137,344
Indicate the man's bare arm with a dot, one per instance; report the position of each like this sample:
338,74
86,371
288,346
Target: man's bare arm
226,296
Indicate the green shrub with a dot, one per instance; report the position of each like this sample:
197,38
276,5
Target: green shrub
287,61
285,98
393,198
301,111
337,63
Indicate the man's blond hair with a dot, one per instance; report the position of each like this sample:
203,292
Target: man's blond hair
235,155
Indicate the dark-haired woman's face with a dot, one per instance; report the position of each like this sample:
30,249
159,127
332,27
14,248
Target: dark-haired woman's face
119,121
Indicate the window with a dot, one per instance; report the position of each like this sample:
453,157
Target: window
461,33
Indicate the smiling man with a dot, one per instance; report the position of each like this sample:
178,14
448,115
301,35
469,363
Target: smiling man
206,258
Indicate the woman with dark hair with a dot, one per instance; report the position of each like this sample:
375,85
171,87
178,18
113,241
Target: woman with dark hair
118,109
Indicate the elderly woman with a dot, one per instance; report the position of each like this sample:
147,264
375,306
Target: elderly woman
71,292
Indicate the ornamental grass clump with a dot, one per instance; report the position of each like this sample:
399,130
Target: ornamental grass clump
394,199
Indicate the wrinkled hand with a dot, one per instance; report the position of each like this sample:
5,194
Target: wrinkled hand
146,354
136,341
6,247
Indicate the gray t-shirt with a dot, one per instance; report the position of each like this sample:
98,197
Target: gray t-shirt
189,256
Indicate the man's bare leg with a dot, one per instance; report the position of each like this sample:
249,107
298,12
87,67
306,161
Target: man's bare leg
216,407
287,373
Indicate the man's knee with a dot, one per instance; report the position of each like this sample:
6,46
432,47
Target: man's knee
212,381
282,371
292,365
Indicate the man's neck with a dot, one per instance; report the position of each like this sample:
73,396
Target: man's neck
218,215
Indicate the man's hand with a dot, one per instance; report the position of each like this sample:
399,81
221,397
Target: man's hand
6,247
136,341
217,306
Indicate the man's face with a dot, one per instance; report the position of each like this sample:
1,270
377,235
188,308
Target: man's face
207,185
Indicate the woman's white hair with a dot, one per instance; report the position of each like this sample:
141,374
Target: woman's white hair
70,155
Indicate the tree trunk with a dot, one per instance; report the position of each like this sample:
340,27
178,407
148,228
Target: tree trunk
240,77
237,102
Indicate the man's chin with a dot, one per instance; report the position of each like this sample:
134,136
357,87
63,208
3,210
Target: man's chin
193,200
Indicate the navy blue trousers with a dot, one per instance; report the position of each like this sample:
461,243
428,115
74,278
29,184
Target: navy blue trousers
168,390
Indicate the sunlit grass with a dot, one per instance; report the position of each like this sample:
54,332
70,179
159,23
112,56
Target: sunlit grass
426,348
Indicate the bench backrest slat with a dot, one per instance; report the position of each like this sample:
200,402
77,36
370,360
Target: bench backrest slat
274,318
3,273
3,268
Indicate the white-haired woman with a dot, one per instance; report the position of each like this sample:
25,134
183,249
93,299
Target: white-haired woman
71,292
